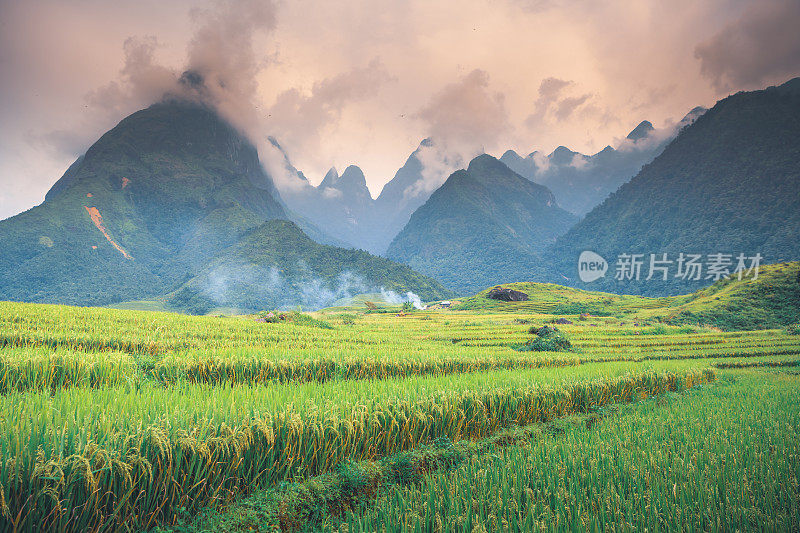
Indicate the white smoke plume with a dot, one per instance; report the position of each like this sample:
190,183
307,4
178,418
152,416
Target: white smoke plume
414,299
254,287
392,297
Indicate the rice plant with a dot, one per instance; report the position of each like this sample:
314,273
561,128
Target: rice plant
723,459
94,459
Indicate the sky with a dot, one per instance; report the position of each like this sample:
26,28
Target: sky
364,81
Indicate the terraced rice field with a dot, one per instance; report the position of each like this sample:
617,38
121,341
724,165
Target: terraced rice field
725,458
126,420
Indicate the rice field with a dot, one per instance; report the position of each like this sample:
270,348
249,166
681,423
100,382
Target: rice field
129,420
725,458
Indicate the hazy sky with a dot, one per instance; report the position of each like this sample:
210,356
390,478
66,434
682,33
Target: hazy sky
364,81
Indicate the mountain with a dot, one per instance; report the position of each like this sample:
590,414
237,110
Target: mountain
340,204
300,186
407,191
580,182
485,225
729,183
276,266
165,189
331,177
169,191
344,207
642,131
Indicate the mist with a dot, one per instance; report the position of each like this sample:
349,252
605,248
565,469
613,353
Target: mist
255,288
395,298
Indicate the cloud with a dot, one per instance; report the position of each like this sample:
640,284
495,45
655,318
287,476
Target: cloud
552,104
535,6
760,47
141,80
362,82
550,88
222,52
220,70
301,118
658,136
438,162
466,115
541,161
330,193
463,119
568,105
579,161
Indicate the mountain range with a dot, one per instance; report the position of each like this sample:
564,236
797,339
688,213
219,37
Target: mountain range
341,204
580,182
344,207
174,204
150,205
728,184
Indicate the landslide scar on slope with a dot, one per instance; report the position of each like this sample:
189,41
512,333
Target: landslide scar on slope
94,214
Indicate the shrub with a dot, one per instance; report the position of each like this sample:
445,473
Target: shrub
353,478
794,329
347,320
295,317
548,339
544,331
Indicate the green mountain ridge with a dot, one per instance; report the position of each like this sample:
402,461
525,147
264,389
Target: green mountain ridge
729,183
768,302
144,210
484,225
277,266
128,219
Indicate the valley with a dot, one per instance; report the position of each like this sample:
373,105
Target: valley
473,267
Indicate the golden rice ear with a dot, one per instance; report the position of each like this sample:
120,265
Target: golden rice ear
5,512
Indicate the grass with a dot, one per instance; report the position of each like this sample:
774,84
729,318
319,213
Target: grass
139,347
724,458
316,502
772,301
149,452
119,419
